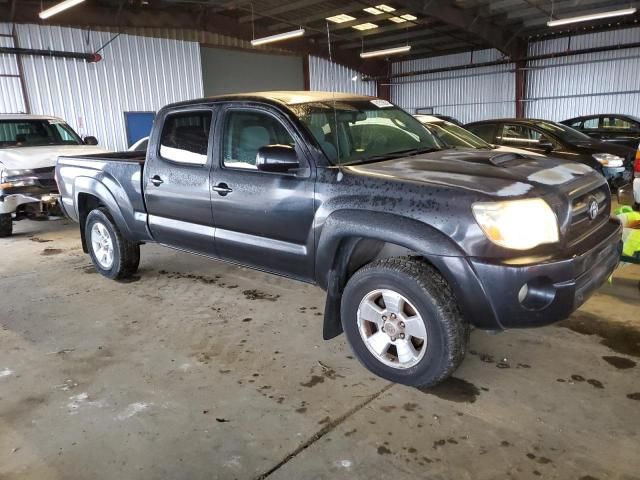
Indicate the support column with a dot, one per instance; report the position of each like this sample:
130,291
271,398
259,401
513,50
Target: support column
521,88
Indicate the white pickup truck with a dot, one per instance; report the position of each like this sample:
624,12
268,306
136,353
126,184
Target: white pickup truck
29,148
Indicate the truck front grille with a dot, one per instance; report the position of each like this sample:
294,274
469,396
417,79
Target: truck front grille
581,222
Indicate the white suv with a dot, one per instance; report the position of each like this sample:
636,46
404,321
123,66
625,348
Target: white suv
29,148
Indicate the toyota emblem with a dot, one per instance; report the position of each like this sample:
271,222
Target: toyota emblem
593,209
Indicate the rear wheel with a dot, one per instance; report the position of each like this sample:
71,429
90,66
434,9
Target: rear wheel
112,255
6,225
401,319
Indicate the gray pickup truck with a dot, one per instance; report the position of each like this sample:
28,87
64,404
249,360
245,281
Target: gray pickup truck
413,242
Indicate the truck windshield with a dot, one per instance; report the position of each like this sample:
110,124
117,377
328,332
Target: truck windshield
454,136
360,131
36,133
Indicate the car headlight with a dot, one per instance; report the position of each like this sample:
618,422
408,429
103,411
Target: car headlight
16,178
517,224
609,160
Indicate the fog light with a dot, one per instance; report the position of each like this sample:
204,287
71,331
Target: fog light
537,294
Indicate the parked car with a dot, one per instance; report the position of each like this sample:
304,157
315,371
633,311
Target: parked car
610,127
455,136
29,147
448,118
413,243
615,162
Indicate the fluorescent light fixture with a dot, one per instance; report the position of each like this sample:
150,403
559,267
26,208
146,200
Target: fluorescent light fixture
408,16
278,37
373,11
60,7
397,20
593,16
385,8
386,51
365,26
343,17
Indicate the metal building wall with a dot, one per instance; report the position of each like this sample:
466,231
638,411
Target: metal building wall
468,95
136,74
11,99
331,77
604,82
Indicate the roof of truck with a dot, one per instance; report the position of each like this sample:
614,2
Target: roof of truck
24,116
283,97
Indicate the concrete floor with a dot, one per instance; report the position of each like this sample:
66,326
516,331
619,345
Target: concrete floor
198,369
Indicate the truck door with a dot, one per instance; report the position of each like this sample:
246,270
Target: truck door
176,181
262,219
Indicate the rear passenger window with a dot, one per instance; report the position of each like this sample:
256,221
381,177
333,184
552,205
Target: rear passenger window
247,132
616,123
185,137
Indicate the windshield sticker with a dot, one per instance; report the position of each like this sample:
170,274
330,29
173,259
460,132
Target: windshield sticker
381,103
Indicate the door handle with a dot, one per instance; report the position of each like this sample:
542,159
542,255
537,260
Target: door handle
222,189
156,180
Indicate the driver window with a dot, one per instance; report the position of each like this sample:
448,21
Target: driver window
519,135
246,132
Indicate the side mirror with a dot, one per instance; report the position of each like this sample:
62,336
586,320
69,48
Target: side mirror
545,144
90,140
277,158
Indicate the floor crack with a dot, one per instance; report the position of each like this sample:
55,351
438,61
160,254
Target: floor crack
321,433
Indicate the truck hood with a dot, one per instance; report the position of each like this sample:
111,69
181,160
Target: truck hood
490,173
27,158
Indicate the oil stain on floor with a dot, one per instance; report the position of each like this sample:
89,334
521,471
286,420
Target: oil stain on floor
455,390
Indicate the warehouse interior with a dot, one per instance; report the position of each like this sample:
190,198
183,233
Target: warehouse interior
200,368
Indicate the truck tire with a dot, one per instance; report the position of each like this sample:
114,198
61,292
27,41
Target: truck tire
6,225
112,255
402,322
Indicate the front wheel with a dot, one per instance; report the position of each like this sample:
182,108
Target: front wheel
401,319
111,254
6,225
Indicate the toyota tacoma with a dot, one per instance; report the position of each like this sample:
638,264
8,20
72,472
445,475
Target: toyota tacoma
414,243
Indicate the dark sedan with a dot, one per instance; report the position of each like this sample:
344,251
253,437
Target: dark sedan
609,127
615,162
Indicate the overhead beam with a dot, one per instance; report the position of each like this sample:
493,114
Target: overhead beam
90,15
495,36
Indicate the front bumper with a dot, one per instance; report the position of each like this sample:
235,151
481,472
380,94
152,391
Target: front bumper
494,295
11,199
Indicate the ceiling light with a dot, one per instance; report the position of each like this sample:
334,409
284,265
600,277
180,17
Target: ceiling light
343,17
408,16
397,20
386,51
373,11
385,8
365,26
60,7
278,37
593,16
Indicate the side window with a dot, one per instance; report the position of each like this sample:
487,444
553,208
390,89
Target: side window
484,131
245,132
185,137
616,123
577,124
591,123
519,135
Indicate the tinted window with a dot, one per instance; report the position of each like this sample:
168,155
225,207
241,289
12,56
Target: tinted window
246,132
484,131
454,136
590,124
575,124
617,123
185,137
519,136
36,133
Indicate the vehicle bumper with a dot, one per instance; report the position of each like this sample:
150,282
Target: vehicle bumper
494,296
617,175
10,200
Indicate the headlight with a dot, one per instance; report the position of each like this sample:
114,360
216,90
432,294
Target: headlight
517,224
609,160
16,178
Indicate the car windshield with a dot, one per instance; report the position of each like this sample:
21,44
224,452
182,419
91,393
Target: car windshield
455,136
36,133
361,131
563,132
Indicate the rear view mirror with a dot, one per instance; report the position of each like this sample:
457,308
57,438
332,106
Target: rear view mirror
90,140
277,158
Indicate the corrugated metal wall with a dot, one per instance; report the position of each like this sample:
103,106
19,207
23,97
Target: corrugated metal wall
469,95
604,82
11,99
331,77
137,74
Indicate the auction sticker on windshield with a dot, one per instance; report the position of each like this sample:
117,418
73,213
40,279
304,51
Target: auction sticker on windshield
381,103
